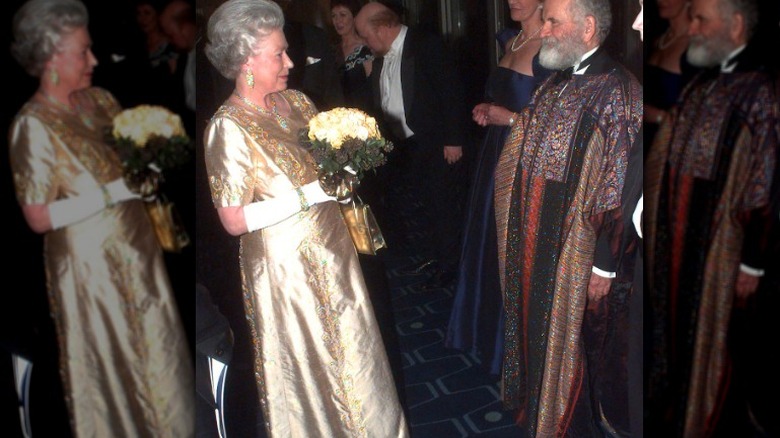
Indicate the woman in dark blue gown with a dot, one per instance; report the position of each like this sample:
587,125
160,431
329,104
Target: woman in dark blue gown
476,322
666,69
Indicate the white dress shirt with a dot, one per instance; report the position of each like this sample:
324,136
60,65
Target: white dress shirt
636,218
391,90
727,66
577,69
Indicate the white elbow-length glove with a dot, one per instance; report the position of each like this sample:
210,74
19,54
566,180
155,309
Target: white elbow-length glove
262,214
68,211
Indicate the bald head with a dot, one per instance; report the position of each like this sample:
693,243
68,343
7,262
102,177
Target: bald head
379,26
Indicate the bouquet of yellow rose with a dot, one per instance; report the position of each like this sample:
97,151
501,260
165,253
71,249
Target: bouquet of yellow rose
150,139
345,140
345,143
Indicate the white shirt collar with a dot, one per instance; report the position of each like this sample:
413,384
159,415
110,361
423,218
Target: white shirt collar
398,43
727,66
577,70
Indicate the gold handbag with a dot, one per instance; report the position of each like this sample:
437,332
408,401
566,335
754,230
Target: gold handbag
167,225
363,228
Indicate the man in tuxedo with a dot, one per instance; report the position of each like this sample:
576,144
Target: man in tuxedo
419,98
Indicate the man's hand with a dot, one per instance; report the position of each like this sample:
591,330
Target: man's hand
598,287
452,153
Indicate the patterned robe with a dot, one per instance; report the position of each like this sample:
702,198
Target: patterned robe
558,189
124,362
320,363
707,180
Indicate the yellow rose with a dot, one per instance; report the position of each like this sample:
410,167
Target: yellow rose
144,121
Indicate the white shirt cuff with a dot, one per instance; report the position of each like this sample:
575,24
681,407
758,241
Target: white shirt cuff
636,218
602,273
751,271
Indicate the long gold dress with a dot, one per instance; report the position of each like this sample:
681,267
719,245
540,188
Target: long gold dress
124,359
320,365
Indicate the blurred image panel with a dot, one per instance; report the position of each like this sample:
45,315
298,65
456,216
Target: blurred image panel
98,168
711,217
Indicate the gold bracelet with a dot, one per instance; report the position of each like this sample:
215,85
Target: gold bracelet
106,196
512,119
304,205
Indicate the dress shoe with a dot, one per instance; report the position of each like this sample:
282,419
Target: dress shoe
418,269
441,279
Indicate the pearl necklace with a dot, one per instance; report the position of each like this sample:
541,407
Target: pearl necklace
274,110
525,41
667,39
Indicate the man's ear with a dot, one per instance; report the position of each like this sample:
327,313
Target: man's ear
737,31
590,28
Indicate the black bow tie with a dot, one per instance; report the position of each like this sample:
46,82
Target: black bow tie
564,75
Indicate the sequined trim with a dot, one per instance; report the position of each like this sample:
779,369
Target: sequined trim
360,55
223,188
323,282
121,267
298,172
102,163
257,340
55,311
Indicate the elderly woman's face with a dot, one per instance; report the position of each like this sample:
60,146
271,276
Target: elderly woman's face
271,65
74,61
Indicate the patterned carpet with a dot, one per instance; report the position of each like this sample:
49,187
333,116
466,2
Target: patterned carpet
448,393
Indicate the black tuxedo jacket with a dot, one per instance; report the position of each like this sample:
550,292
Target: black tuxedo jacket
213,339
432,91
631,244
315,66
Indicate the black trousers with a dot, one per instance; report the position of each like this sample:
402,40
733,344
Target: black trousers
438,190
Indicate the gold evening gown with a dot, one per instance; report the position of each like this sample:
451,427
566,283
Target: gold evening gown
320,363
124,359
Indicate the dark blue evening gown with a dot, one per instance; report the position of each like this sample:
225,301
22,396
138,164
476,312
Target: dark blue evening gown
477,320
662,88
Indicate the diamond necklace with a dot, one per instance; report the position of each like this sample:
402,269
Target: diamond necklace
525,41
76,110
274,110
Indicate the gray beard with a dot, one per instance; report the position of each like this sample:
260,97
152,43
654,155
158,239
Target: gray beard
560,55
708,52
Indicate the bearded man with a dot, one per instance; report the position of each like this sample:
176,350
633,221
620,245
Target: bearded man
558,209
707,179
